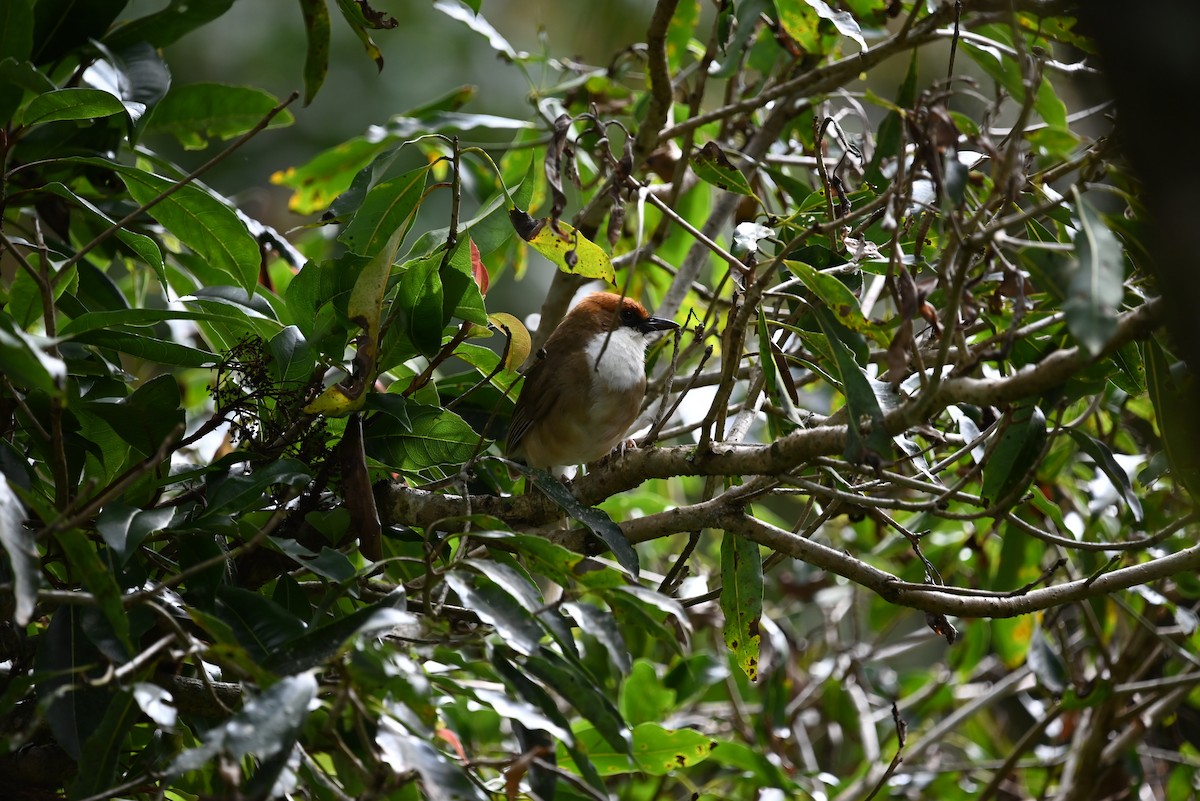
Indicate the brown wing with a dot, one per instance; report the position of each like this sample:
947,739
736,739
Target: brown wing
527,410
545,395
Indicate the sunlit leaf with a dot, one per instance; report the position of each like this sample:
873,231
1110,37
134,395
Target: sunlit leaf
659,751
567,248
71,104
521,344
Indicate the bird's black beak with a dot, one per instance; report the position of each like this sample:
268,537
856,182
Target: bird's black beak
651,324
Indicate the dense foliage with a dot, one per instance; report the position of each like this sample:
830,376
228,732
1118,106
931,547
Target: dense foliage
912,512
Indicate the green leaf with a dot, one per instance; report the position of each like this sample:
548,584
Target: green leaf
146,418
861,402
680,31
293,358
26,364
167,25
887,139
659,751
519,711
71,104
1009,470
1004,69
1011,638
713,167
195,112
1096,694
260,624
525,688
603,627
145,247
388,208
268,724
836,296
597,521
1046,663
742,600
1107,463
517,627
316,184
61,26
1096,289
240,319
22,552
404,751
579,689
242,493
644,698
605,759
432,438
560,564
125,527
16,29
419,303
800,22
648,609
842,20
104,749
149,348
16,43
461,296
201,221
317,646
135,75
81,555
64,651
317,31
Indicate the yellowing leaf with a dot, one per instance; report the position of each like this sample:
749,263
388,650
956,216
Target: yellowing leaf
560,243
337,401
520,343
660,751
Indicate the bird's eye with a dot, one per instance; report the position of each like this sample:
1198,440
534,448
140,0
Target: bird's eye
629,316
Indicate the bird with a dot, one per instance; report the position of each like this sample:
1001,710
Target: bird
585,388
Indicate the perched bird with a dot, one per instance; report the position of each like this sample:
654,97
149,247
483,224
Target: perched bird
587,385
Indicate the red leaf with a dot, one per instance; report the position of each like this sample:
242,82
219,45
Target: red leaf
480,272
452,738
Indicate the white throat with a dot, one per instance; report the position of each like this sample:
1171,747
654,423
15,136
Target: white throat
622,359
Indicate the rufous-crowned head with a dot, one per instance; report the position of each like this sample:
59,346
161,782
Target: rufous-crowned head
586,387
